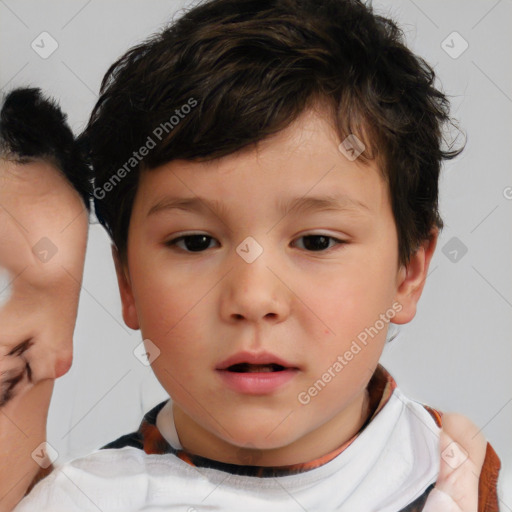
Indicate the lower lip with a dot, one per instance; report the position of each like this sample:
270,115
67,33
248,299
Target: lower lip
257,383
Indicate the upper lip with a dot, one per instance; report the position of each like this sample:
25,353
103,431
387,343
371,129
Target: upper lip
254,358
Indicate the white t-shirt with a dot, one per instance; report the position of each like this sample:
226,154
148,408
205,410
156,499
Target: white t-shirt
391,463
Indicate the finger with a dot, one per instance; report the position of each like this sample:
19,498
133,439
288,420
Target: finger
14,370
464,432
439,501
462,455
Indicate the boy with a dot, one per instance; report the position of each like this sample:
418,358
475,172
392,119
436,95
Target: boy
257,126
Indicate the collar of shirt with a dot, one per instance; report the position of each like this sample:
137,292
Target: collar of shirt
157,435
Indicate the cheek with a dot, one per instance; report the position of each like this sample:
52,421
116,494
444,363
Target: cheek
161,298
172,313
350,300
349,304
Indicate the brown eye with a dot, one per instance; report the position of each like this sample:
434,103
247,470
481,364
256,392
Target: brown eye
192,243
320,243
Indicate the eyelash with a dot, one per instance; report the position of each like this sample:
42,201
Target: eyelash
173,242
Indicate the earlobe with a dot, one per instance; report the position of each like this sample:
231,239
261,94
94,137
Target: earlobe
125,289
411,279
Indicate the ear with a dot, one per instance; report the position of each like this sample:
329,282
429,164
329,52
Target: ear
411,279
125,289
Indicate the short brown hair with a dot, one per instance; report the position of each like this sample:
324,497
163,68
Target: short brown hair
252,67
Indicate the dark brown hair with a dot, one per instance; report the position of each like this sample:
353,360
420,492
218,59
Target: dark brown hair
34,128
229,73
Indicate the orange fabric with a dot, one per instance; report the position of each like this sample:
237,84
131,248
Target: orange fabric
487,486
435,414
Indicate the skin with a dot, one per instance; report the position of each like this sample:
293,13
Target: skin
38,308
36,197
302,305
460,483
37,202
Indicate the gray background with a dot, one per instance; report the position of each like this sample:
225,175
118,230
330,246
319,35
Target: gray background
455,355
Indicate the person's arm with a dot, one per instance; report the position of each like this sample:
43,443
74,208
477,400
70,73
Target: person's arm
36,333
44,207
22,430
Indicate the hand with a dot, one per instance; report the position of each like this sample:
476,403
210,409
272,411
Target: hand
43,237
463,450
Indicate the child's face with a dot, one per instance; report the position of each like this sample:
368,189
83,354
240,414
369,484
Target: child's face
306,307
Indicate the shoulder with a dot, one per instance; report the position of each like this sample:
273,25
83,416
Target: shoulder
147,438
125,456
112,479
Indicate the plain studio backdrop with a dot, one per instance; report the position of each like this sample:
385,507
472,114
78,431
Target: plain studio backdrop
455,355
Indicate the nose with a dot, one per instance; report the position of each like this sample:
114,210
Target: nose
255,291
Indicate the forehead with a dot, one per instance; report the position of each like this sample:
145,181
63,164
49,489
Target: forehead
34,173
300,167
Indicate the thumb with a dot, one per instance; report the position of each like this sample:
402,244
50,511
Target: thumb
463,450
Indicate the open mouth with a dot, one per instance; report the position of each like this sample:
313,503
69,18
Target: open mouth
255,368
256,374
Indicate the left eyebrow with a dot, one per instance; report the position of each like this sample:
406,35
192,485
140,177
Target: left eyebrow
302,204
336,203
199,204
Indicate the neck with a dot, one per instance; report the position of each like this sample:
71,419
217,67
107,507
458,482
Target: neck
328,437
